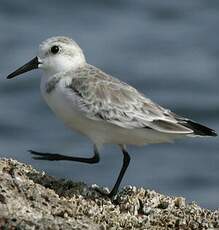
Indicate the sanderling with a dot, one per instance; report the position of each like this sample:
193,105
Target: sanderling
103,108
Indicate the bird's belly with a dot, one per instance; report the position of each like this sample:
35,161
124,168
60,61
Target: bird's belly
71,115
100,132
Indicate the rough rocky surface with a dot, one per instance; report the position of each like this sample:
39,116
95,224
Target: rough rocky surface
30,199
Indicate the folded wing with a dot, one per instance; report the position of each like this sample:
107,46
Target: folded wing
104,98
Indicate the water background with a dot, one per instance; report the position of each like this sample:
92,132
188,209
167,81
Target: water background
169,50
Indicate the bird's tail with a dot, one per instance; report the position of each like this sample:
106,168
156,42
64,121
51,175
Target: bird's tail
197,128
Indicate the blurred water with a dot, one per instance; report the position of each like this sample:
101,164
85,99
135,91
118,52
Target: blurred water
167,49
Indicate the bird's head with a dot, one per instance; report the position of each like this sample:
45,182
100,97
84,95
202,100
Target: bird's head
56,54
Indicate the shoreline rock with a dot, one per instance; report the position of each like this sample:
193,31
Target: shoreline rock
30,199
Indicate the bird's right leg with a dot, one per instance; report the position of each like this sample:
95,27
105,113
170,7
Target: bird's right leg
59,157
126,160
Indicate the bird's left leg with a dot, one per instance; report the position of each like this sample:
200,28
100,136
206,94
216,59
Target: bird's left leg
59,157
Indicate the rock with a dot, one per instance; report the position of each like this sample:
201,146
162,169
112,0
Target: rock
30,199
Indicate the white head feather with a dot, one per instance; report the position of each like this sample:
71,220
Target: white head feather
69,55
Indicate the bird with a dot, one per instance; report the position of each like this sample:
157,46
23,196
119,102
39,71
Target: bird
100,106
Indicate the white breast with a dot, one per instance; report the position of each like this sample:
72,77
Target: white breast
57,99
64,104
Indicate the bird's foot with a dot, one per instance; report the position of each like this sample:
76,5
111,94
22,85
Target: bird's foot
45,156
108,195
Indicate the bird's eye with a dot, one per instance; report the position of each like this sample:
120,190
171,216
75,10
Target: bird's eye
54,49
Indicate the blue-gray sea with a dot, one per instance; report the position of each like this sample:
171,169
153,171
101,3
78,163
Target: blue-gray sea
169,50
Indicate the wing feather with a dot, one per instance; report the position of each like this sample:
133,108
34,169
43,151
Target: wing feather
104,98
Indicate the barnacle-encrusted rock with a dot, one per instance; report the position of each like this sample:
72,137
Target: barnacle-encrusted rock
30,199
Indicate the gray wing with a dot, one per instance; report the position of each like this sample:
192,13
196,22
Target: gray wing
104,98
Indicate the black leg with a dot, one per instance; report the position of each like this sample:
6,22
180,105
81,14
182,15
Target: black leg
59,157
126,160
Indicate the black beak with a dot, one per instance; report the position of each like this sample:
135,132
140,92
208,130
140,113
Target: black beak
33,64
